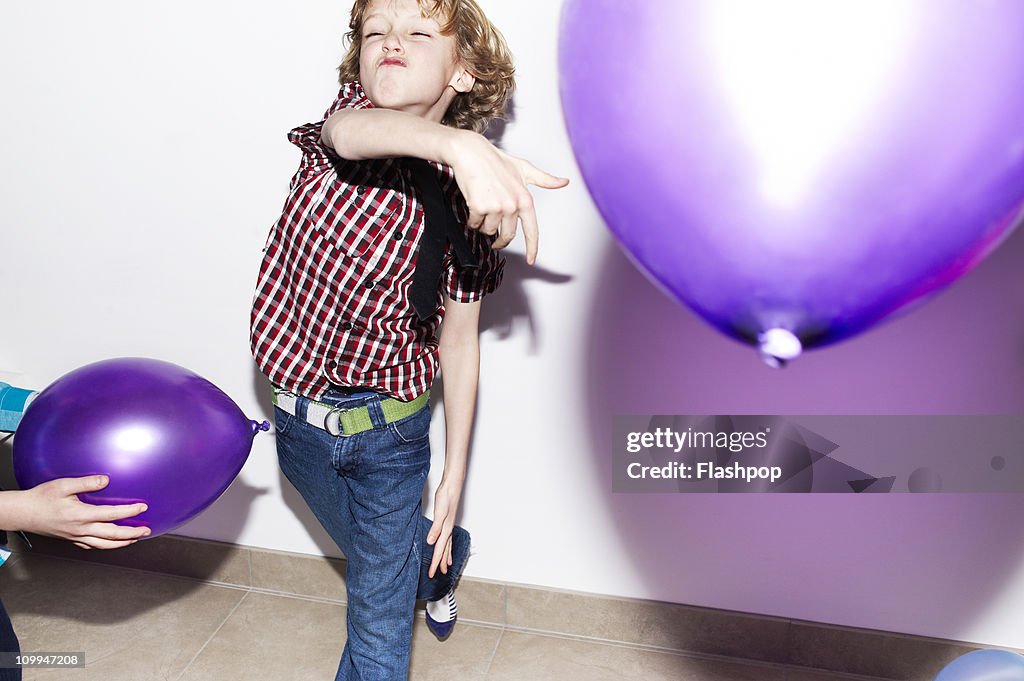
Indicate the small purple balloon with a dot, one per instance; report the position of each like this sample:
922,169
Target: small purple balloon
796,171
162,434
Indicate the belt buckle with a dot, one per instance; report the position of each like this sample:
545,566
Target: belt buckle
332,421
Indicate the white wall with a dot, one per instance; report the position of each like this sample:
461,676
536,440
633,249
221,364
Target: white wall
144,158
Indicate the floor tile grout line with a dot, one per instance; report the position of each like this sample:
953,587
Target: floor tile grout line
494,654
212,635
787,643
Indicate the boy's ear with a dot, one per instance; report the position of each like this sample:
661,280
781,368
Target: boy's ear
462,80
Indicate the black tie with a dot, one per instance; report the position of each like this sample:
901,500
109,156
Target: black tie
440,227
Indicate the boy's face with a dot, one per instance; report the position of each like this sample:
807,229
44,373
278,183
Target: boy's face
405,63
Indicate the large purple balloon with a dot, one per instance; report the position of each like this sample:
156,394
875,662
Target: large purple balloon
797,170
161,433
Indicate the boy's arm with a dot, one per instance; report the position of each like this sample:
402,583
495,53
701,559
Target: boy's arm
360,134
459,352
493,183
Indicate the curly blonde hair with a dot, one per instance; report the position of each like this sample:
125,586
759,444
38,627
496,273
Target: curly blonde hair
479,47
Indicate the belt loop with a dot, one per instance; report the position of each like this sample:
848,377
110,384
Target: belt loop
376,413
301,406
290,402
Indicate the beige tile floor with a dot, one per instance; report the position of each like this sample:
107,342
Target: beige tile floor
137,626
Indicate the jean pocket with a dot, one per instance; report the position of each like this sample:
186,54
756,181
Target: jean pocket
413,429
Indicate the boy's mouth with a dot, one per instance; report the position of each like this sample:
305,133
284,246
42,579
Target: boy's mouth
392,61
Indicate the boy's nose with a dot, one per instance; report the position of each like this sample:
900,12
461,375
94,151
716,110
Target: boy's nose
391,42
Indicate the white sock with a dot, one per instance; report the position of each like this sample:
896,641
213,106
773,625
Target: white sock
444,609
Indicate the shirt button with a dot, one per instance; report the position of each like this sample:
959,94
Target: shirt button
332,364
368,283
360,190
347,326
399,234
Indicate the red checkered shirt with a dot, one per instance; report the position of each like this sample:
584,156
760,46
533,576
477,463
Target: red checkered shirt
332,300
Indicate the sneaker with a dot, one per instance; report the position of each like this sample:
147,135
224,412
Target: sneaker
441,615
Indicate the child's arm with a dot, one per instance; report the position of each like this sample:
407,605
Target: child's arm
459,352
493,183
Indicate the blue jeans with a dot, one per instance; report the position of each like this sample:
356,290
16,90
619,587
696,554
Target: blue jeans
365,489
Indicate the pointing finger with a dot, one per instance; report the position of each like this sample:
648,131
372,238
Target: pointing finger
530,233
539,178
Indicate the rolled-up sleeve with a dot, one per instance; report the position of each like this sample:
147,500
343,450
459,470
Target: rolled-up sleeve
13,403
468,284
317,158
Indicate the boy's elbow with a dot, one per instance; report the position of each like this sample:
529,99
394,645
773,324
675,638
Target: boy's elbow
325,138
335,133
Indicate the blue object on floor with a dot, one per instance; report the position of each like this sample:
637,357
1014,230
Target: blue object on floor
984,665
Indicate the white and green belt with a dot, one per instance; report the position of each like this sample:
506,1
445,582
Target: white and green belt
348,421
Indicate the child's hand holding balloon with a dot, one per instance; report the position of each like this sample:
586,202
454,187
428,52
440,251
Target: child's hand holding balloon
53,509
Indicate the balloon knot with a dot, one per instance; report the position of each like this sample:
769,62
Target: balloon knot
778,347
257,426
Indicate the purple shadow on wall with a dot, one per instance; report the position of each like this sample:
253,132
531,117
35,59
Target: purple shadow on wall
922,564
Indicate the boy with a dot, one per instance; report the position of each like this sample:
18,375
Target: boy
374,248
